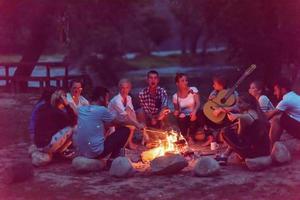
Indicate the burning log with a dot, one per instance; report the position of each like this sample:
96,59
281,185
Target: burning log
163,142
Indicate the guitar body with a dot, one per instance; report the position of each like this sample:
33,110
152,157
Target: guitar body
216,102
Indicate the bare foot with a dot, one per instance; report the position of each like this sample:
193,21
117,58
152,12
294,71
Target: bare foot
190,141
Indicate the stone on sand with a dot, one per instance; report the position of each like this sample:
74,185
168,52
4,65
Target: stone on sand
83,164
258,163
280,154
168,164
206,166
121,167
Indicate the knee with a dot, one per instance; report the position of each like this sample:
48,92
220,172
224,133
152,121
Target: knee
275,121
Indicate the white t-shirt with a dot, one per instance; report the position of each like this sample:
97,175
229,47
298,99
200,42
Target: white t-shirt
290,104
188,103
82,101
117,107
265,104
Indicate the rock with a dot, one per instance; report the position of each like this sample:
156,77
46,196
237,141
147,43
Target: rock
121,167
168,164
234,159
17,172
40,158
83,164
206,166
32,148
259,163
293,145
280,154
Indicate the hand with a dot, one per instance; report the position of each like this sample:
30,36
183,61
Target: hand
163,113
217,111
193,117
231,116
176,113
182,115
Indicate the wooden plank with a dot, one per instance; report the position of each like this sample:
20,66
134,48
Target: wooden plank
50,64
40,78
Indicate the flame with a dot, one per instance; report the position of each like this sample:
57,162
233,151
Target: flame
167,145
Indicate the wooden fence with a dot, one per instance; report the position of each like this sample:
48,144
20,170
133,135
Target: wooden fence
12,82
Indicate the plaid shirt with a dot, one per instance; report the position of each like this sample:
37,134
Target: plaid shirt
152,104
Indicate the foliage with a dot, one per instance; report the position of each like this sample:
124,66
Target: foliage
264,32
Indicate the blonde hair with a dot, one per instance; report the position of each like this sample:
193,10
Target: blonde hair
124,80
56,97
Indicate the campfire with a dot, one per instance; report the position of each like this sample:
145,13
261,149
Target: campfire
162,143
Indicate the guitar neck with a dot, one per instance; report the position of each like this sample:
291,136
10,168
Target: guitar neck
239,81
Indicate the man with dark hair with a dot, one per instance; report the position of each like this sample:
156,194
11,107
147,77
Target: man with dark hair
74,96
89,139
286,115
153,101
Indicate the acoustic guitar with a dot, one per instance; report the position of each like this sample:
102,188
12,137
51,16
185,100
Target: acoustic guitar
225,98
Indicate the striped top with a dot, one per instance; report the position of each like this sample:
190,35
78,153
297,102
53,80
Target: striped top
265,103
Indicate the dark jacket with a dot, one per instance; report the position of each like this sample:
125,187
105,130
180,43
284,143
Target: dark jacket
49,120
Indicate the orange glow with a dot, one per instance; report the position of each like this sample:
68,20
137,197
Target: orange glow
167,145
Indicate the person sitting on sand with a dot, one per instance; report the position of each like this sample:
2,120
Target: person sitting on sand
44,99
90,138
250,138
121,104
209,127
54,124
256,89
153,102
186,103
286,115
74,97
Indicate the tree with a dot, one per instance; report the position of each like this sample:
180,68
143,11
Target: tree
107,28
262,32
188,14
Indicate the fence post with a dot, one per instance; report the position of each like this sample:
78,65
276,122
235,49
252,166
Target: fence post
48,76
65,85
6,76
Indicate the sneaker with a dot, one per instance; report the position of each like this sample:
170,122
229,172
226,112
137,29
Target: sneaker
68,153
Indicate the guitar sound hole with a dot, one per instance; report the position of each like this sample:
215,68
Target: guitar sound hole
212,108
223,100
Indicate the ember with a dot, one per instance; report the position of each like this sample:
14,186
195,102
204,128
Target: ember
163,142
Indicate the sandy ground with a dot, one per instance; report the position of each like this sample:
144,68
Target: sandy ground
59,181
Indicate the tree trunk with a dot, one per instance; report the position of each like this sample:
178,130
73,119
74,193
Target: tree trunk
183,42
194,42
36,44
